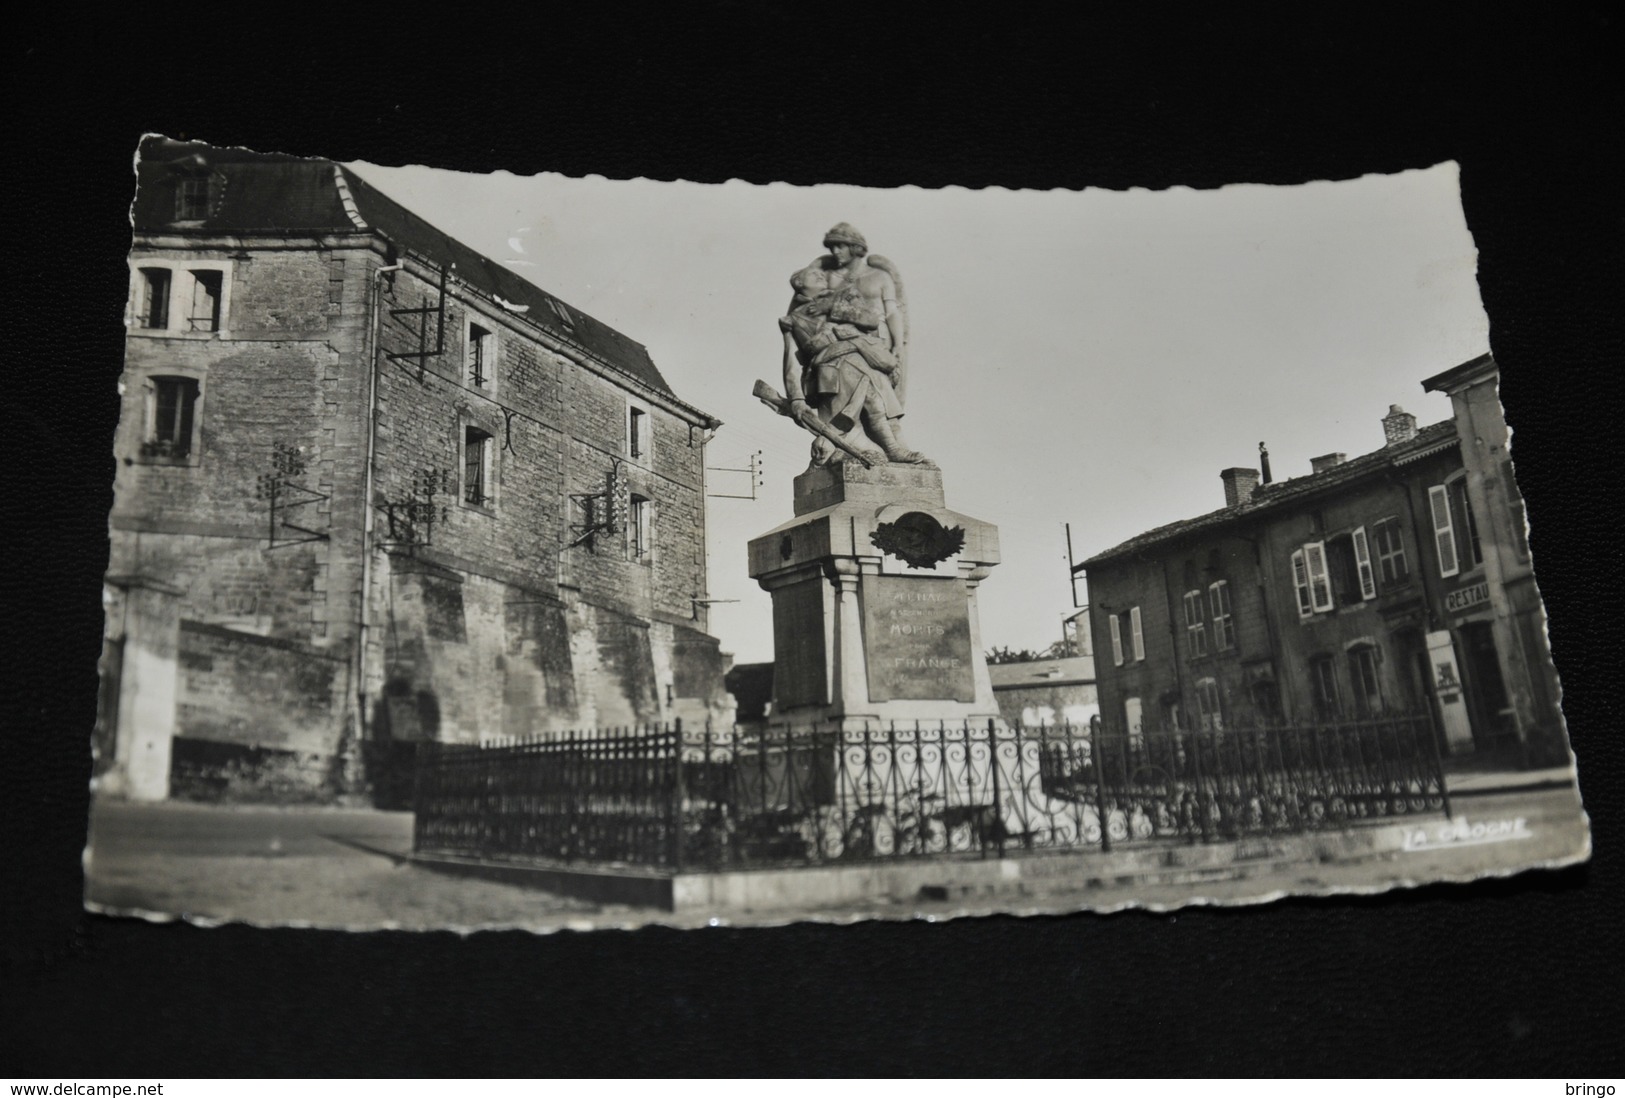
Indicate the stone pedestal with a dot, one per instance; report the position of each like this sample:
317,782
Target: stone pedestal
874,587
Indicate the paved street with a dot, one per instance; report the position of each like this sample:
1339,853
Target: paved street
323,867
344,868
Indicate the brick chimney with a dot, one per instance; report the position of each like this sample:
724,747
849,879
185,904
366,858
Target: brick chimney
1326,461
1239,485
1398,425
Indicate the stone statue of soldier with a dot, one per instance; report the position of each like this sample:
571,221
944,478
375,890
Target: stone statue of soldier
846,352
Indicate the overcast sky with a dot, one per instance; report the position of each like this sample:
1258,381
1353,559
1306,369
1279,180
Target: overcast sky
1092,358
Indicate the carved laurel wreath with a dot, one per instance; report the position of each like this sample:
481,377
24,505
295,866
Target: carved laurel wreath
918,540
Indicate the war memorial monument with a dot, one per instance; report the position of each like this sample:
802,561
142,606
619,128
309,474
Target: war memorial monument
874,581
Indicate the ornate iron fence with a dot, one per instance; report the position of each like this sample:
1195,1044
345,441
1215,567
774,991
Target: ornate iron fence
709,799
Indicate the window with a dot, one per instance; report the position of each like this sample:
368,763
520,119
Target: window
1363,676
1468,549
1455,529
1195,624
1224,630
1134,721
170,298
640,526
1348,560
1444,530
637,433
1323,687
1390,552
192,198
1115,628
152,300
1207,706
171,412
479,487
480,371
1364,574
205,311
1136,634
1266,701
1312,578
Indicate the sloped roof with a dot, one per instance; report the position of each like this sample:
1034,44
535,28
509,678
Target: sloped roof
1063,672
273,193
1429,440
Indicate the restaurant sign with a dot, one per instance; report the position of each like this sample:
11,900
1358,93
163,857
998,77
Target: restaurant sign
1465,598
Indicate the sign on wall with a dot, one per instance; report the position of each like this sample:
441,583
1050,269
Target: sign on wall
1465,598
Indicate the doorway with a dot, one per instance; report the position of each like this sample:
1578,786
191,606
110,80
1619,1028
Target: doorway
1486,689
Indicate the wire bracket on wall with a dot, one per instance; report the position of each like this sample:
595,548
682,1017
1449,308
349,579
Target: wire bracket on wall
754,470
438,310
410,522
602,512
282,494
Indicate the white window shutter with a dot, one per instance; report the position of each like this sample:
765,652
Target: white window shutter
1362,564
1136,635
1320,579
1117,639
1444,531
1300,580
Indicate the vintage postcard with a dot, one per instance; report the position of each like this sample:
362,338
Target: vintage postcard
548,552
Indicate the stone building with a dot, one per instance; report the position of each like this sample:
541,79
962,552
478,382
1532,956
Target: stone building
1398,580
373,488
1046,692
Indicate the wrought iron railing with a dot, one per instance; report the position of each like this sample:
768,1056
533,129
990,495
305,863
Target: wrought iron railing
672,799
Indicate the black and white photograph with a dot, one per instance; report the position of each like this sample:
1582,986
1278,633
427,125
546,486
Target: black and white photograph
746,540
500,551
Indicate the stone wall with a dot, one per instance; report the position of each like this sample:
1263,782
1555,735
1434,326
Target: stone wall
481,624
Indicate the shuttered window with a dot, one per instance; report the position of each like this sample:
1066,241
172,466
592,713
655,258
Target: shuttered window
1444,531
1300,581
1320,579
1224,632
1116,629
1136,635
1362,565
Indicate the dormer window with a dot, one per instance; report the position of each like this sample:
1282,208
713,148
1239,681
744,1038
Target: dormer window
192,195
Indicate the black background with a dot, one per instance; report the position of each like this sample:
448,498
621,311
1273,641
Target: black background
1499,977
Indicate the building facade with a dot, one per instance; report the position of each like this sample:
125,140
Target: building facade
375,489
1395,581
1046,692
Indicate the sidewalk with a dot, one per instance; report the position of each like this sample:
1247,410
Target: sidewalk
1468,782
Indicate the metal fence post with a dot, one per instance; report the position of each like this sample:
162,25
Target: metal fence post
993,777
1203,800
1099,760
677,786
1432,737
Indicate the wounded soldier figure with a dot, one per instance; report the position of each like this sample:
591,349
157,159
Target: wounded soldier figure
845,347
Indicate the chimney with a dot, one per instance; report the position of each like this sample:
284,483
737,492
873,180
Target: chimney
1264,461
1326,461
1239,485
1398,425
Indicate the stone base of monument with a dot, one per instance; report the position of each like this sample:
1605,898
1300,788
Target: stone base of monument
874,586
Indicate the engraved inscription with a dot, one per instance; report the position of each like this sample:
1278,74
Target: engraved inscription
917,633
